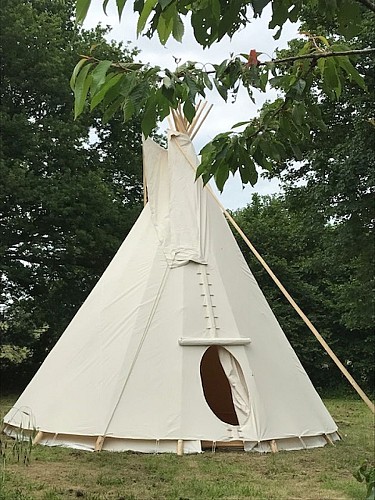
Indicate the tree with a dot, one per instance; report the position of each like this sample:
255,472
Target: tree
335,183
283,128
338,180
302,250
70,191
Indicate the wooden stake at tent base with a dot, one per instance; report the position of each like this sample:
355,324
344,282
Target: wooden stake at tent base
328,439
273,445
180,447
38,437
99,443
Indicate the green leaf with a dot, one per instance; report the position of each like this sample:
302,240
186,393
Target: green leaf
300,86
81,88
140,93
315,117
324,40
164,107
167,82
258,6
105,3
252,174
132,66
193,85
146,11
149,117
120,7
221,175
297,151
263,79
178,28
110,82
111,109
321,65
347,66
75,72
98,75
128,108
279,14
294,13
240,124
164,29
221,89
349,17
248,171
331,78
82,6
189,111
298,113
165,23
200,170
285,124
207,80
164,3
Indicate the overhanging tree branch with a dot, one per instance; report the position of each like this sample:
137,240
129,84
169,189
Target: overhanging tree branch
126,68
319,55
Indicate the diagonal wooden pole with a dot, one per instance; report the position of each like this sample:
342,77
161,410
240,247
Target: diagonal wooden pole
299,311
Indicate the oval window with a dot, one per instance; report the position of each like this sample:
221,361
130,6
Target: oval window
216,387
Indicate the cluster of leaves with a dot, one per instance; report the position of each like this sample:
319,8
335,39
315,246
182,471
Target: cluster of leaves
213,19
282,129
337,178
279,132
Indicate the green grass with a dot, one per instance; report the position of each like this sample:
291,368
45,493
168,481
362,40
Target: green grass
323,473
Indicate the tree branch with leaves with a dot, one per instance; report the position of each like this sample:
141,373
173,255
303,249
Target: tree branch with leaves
321,66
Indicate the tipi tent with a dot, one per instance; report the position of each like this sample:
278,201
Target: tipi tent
176,347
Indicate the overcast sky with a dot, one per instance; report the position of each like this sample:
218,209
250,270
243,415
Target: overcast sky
223,115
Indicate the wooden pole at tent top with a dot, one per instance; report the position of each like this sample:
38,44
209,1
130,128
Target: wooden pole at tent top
189,130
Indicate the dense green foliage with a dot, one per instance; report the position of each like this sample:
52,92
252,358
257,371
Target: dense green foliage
305,254
325,63
70,190
319,235
334,189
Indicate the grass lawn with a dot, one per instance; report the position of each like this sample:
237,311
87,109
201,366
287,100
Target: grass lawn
323,473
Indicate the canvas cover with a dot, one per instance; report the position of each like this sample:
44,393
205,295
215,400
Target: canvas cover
128,367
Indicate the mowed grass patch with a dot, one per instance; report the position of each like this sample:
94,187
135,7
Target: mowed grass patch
323,473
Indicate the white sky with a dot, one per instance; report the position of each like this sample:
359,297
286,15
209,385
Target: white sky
223,115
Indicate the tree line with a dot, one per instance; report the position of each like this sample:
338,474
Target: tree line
71,190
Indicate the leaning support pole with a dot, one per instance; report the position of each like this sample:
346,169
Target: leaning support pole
299,311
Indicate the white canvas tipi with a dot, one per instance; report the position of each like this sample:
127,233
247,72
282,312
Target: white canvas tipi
176,346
